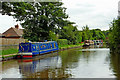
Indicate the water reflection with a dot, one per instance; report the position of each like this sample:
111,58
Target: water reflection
90,62
51,67
115,64
39,68
10,69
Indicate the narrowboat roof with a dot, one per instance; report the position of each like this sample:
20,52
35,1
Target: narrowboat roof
39,42
43,42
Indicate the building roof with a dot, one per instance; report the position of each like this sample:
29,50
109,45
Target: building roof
13,32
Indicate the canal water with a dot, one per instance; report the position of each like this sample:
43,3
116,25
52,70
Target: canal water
90,62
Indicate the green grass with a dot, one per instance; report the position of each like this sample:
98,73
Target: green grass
9,51
69,46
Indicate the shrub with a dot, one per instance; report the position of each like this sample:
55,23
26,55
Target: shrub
62,42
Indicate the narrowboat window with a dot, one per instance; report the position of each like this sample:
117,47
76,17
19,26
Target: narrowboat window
37,47
24,47
51,45
34,48
54,45
41,47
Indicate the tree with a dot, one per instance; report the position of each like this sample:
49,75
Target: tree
78,37
93,34
53,36
86,35
38,17
114,34
68,33
97,34
71,33
102,36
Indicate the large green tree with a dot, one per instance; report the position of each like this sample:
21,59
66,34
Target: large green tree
38,18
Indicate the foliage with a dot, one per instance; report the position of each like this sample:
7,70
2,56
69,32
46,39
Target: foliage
62,42
78,37
106,33
114,34
38,17
98,34
85,33
94,34
71,33
52,36
70,46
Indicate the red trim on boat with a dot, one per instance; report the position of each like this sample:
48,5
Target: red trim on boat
18,56
27,56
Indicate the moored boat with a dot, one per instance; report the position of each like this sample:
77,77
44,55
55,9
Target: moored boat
30,49
88,43
98,42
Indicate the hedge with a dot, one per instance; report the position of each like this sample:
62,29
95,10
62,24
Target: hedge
62,42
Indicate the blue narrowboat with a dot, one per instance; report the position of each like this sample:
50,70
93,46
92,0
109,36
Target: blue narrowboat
30,49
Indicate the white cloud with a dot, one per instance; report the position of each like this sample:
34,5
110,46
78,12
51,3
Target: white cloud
6,22
94,13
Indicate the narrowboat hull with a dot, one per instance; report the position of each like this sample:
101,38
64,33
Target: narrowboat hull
28,50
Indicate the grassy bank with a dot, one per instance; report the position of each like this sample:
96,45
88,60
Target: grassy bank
69,46
12,52
8,52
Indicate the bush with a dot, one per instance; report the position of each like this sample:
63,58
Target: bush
52,36
62,42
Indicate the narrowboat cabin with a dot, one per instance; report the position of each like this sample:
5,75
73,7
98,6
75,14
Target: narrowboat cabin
30,49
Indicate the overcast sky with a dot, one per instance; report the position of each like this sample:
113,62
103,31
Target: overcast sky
94,13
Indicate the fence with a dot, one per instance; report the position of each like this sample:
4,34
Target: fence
6,43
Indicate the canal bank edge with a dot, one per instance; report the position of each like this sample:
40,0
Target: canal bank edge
13,56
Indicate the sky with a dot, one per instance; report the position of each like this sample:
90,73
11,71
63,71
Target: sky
94,13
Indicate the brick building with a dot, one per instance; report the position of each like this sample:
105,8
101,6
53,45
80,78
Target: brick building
13,32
